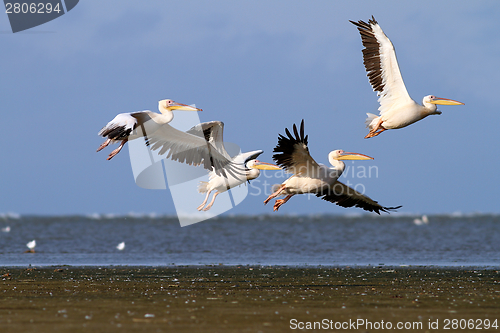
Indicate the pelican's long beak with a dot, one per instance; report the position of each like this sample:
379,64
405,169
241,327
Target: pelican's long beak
445,101
265,166
183,107
353,156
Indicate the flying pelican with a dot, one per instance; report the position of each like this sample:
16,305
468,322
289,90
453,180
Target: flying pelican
397,109
182,146
293,155
245,166
122,126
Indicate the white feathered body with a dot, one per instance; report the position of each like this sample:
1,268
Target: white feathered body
397,109
222,184
322,179
125,125
239,175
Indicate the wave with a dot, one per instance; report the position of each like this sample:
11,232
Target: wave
133,215
10,216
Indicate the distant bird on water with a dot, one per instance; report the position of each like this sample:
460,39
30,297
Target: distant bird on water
31,247
121,246
422,221
292,154
6,229
397,108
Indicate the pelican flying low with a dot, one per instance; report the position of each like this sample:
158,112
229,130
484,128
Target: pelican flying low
122,126
182,146
292,154
397,109
244,166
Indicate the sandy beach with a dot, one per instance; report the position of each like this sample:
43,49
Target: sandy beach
247,299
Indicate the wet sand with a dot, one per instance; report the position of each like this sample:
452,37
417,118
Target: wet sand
246,299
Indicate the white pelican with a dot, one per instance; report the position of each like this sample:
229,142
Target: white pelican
121,246
293,155
122,126
182,146
244,166
397,109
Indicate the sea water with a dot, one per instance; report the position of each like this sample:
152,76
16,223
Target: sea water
327,240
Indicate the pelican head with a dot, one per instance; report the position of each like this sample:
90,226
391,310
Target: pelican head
256,164
430,102
170,105
342,155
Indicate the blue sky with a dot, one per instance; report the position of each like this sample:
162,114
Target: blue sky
258,66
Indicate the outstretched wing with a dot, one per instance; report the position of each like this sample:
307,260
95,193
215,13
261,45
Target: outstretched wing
188,148
292,153
345,196
213,132
382,66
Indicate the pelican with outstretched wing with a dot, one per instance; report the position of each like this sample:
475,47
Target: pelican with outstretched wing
122,127
244,166
292,154
154,128
397,108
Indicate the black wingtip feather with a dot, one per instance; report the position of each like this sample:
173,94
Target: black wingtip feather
295,131
117,133
371,54
285,147
389,209
346,201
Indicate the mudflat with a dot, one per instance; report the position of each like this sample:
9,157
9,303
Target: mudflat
248,299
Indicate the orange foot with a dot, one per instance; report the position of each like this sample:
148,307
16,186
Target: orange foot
278,203
104,145
372,134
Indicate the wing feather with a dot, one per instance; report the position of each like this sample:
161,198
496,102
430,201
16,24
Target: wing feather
188,148
213,133
382,66
345,196
292,152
